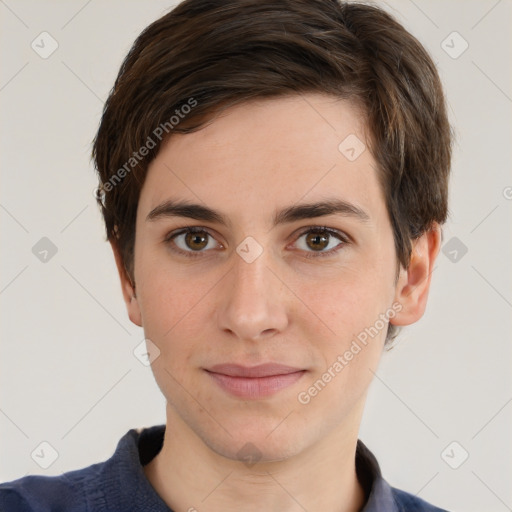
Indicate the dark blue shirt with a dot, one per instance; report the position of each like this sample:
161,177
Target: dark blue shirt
120,485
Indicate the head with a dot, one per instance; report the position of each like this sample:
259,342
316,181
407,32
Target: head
248,108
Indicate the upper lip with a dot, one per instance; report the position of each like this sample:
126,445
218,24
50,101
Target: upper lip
262,370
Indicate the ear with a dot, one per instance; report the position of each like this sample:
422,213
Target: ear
414,283
127,288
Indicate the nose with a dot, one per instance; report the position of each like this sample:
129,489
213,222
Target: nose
253,301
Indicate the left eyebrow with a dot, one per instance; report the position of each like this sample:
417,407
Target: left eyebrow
320,209
293,213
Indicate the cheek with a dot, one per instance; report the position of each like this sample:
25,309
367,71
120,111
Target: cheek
349,301
349,331
348,350
173,307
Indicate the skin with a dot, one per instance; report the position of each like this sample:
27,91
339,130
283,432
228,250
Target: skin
284,307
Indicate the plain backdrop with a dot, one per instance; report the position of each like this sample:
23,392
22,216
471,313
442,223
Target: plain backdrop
68,376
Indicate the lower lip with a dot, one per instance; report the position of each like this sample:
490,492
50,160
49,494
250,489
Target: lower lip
257,387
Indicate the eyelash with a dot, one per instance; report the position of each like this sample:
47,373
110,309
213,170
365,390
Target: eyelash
344,239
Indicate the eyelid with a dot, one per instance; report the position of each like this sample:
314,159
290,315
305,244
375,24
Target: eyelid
186,229
344,237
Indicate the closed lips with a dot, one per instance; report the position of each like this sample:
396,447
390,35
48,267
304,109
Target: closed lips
263,370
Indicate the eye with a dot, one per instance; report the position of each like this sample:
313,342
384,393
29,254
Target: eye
191,241
321,241
316,241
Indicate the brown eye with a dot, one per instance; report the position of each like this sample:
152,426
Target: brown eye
196,241
192,241
317,241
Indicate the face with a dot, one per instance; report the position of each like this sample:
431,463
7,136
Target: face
234,270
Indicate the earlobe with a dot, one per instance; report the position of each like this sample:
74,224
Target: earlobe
134,311
414,282
127,288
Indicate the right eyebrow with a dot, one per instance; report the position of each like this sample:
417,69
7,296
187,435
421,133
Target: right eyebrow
172,208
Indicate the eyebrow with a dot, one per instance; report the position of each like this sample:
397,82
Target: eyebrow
171,208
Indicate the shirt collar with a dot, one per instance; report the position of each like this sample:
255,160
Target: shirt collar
379,496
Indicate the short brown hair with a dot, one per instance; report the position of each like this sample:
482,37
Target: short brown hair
213,54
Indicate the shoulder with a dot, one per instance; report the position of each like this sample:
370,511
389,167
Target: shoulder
95,487
382,497
37,493
410,503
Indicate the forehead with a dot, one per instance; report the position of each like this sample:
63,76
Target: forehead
268,153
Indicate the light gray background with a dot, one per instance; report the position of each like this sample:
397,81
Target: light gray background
67,372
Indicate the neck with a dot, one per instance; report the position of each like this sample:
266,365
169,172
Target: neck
191,476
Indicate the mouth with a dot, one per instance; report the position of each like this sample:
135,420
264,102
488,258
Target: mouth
254,382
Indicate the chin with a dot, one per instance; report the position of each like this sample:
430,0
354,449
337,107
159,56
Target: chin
256,442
